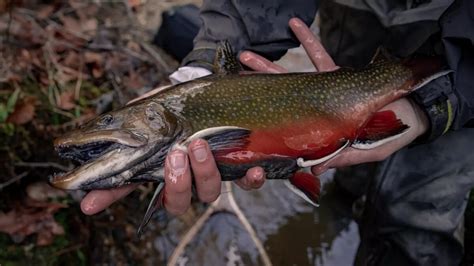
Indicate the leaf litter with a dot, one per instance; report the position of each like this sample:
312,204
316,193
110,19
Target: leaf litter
63,62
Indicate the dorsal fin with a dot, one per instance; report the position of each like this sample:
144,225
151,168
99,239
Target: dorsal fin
225,62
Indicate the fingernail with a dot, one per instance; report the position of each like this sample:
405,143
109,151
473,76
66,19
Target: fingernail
177,162
245,56
199,151
257,175
296,22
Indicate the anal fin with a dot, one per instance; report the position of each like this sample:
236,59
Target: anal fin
383,127
307,163
307,186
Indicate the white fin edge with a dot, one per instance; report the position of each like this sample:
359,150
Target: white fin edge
299,193
199,135
375,144
302,163
431,78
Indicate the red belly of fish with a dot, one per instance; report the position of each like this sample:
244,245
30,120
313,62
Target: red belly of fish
301,139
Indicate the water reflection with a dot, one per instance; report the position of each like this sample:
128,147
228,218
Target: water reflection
292,231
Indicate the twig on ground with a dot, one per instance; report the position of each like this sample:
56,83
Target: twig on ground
44,165
13,180
77,88
67,250
156,56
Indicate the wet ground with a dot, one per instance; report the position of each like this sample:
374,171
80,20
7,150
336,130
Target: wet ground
291,231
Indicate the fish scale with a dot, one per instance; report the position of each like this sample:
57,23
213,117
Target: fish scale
277,98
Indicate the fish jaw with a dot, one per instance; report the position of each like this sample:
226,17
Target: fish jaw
121,136
107,165
109,158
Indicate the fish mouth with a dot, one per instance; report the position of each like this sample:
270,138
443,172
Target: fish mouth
100,155
83,153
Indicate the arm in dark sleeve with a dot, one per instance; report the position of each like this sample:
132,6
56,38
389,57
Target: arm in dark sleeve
259,26
449,101
458,39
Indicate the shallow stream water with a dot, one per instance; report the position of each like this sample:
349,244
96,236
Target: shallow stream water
292,231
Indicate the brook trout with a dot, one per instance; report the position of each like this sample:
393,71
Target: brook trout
281,122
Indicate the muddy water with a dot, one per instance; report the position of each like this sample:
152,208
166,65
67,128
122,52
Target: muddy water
292,231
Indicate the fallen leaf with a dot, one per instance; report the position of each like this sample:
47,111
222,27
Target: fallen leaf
70,23
45,11
89,25
92,57
41,191
31,218
134,81
97,72
72,60
24,111
66,100
134,3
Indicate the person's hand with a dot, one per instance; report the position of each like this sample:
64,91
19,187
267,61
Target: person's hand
407,112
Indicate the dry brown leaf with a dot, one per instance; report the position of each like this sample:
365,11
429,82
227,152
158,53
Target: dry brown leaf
66,100
134,81
89,25
41,191
72,60
91,57
70,23
32,218
97,72
134,3
24,111
45,11
134,46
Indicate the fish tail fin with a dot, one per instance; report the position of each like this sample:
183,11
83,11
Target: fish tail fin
305,185
383,126
155,204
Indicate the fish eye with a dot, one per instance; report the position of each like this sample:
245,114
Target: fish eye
153,113
106,120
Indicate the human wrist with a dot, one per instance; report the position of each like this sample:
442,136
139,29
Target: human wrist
438,103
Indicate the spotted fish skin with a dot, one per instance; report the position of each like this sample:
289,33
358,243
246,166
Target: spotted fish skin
266,100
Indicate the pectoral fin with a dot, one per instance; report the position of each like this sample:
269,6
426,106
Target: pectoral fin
221,139
305,185
155,204
383,127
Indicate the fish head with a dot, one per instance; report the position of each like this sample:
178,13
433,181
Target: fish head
118,143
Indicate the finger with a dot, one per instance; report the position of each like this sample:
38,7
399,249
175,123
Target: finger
97,200
319,169
177,183
259,63
254,179
206,175
315,50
